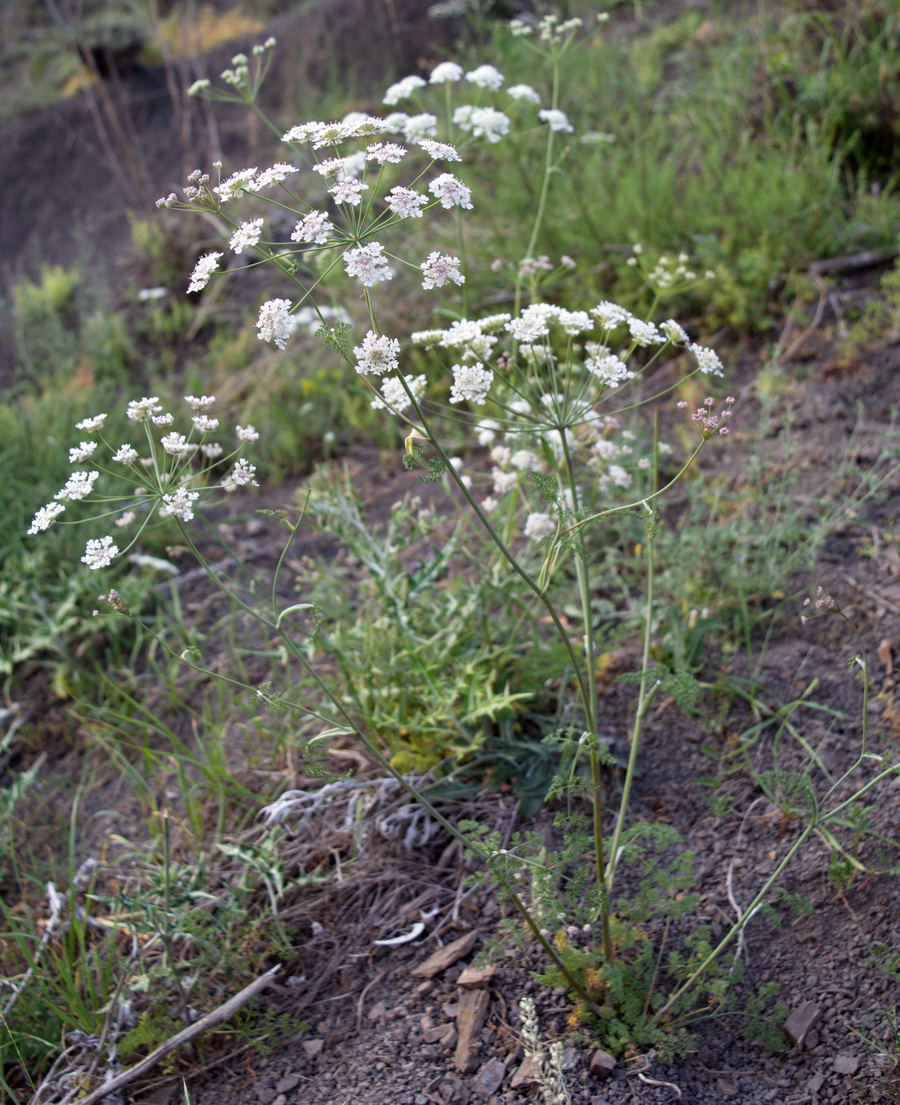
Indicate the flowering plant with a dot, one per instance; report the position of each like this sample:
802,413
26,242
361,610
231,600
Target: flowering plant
544,387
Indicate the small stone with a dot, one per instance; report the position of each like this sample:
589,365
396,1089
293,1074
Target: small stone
288,1083
524,1076
812,1039
816,1083
726,1089
312,1048
845,1064
378,1012
280,1100
453,1091
801,1021
602,1064
476,978
489,1078
443,1034
473,1010
445,957
266,1095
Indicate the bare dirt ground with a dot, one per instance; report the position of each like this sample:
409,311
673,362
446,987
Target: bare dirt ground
369,1032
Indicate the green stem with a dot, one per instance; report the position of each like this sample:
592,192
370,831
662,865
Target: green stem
736,928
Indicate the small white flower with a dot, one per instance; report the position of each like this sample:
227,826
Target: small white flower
199,403
204,423
439,151
142,410
490,124
383,153
331,167
377,354
274,322
708,360
418,127
235,184
212,450
125,455
303,132
444,72
330,134
368,263
402,90
610,315
314,227
674,332
470,383
538,526
275,175
45,516
175,444
247,433
99,554
162,419
451,192
246,236
644,333
82,451
394,395
525,460
609,370
619,476
486,76
91,424
348,191
203,270
439,269
406,203
78,486
524,92
555,120
242,474
179,504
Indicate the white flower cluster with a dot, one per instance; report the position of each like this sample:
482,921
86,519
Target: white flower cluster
164,482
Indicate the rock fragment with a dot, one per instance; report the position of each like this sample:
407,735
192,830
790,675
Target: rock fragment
490,1077
801,1021
445,957
473,1009
602,1064
477,978
845,1064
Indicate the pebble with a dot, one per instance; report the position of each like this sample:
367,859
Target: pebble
801,1021
311,1048
288,1083
489,1078
845,1064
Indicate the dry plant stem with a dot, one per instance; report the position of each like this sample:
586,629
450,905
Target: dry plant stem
222,1013
53,921
383,762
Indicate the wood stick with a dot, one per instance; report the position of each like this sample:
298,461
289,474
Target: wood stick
222,1013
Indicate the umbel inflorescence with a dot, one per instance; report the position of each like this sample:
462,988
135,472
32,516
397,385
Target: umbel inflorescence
160,471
